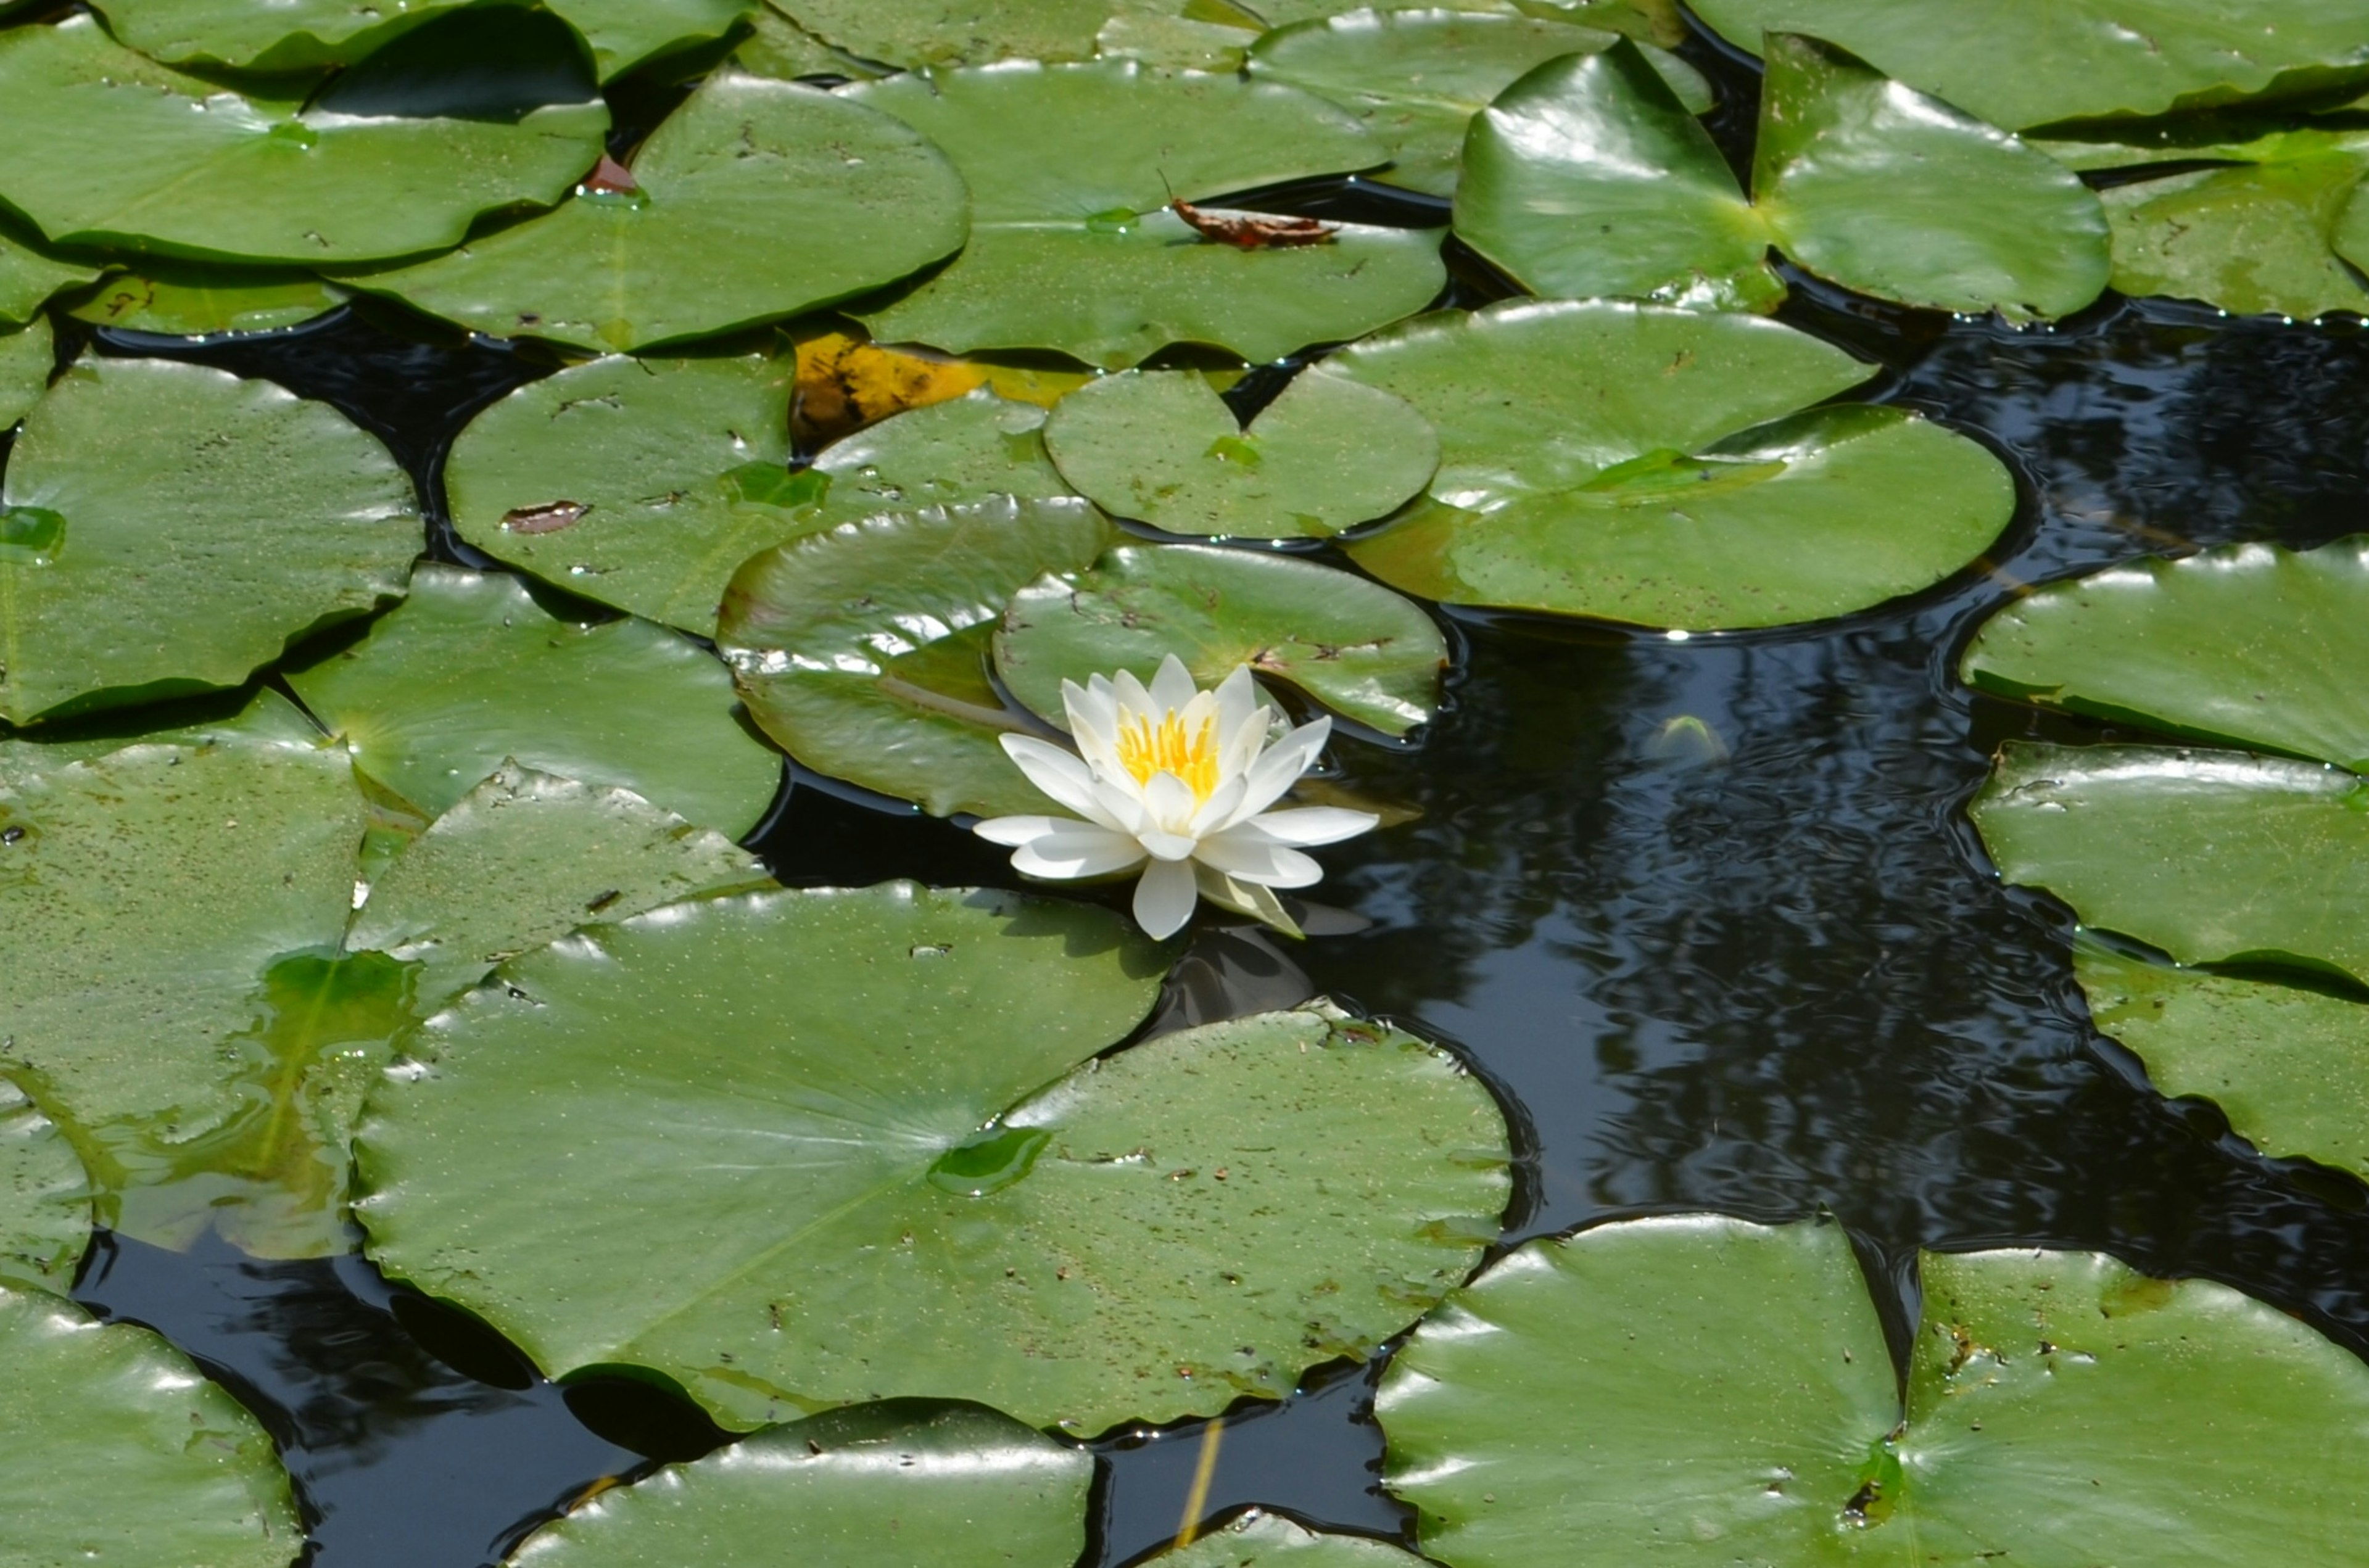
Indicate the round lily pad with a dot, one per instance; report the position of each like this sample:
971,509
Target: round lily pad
1270,1540
287,35
2288,1065
1354,646
469,672
868,1486
913,34
28,355
863,650
44,1198
1162,447
896,1188
1588,178
625,480
1070,168
113,1448
2285,234
2102,59
393,158
190,299
2233,645
754,200
1417,77
242,518
1695,1389
2210,856
1636,464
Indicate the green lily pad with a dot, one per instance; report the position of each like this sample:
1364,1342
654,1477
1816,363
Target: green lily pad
2151,842
29,275
469,672
2288,1066
1634,463
27,357
625,480
863,650
195,300
113,1447
44,1199
780,48
241,519
1417,77
965,450
756,200
285,35
1696,1389
2024,62
393,158
870,1486
1587,178
1162,447
1172,35
1270,1540
1358,649
521,860
2239,645
901,1190
1069,169
913,34
623,34
2274,236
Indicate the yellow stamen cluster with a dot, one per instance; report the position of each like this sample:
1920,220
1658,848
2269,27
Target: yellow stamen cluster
1144,750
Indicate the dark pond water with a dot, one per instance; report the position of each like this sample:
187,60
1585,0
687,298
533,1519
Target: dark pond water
1705,911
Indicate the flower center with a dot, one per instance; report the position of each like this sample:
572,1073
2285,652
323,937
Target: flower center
1145,748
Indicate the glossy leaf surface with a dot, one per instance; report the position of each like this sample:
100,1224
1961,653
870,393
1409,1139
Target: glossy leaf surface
29,275
1634,463
863,650
2285,236
391,160
623,34
44,1198
1162,447
241,518
1070,167
2158,843
868,1486
196,300
1270,1540
2240,645
1196,1218
114,1449
758,199
1356,647
287,35
28,355
911,34
470,672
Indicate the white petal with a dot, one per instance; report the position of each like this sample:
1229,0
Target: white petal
1171,802
1130,696
1093,721
1314,824
1219,807
1237,700
1280,765
1083,851
1253,857
1060,775
1168,846
1121,800
1172,686
1164,898
1022,830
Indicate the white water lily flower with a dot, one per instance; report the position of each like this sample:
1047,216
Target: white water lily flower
1181,779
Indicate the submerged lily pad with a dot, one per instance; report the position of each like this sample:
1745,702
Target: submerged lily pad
1069,169
1697,1390
625,480
754,200
1635,463
869,1486
1270,1540
1354,646
2100,59
2234,645
195,300
44,1198
393,158
891,1198
27,357
863,650
2287,1065
2210,856
241,518
2284,234
1162,447
1417,77
1587,178
115,1448
469,672
285,35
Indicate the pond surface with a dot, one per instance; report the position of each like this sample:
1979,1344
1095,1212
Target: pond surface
1705,911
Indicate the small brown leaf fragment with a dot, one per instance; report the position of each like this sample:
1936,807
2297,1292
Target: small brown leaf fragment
608,177
548,518
1247,232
